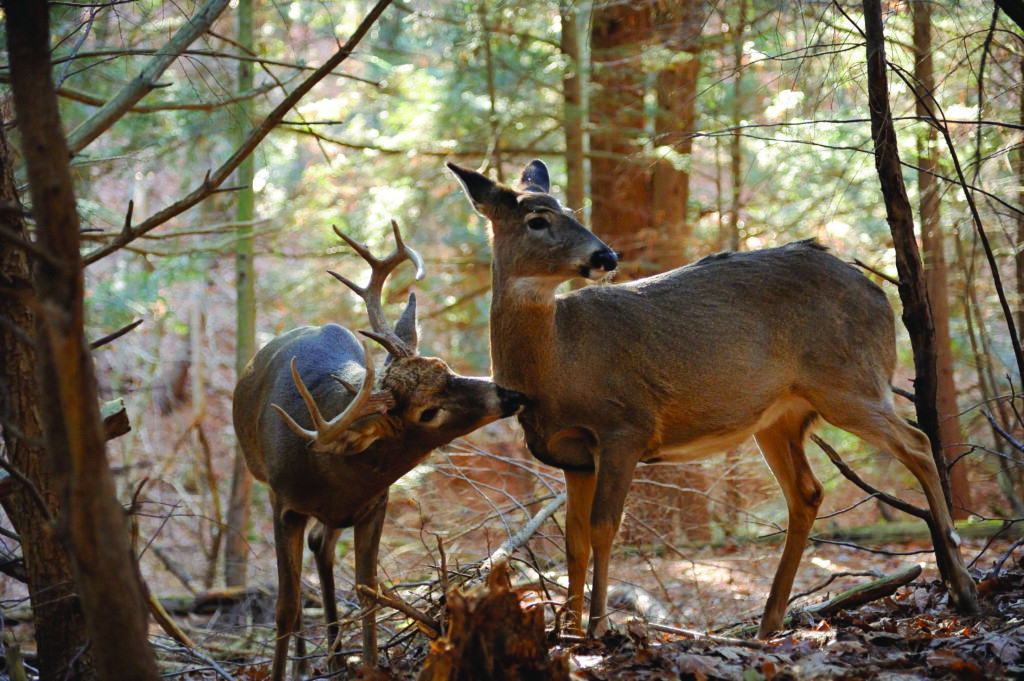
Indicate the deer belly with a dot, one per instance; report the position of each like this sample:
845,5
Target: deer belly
689,444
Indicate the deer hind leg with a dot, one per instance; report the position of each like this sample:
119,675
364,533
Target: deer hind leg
781,445
881,427
579,487
322,542
368,529
288,531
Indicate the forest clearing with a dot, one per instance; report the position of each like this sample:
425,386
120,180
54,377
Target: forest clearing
446,274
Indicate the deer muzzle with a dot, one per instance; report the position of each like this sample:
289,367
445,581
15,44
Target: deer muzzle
601,262
512,402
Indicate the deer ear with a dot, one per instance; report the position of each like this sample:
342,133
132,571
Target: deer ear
360,435
485,194
405,327
535,178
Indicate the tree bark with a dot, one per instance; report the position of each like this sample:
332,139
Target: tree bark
236,548
935,272
91,521
677,25
620,179
56,611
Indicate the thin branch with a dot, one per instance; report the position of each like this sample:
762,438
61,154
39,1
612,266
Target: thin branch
509,546
212,182
702,636
850,475
146,81
110,337
33,491
390,599
93,100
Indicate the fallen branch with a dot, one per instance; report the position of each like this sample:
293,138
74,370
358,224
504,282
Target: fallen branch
849,599
166,622
865,593
509,546
390,599
703,636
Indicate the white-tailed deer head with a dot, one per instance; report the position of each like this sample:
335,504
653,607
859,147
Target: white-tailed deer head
329,450
685,364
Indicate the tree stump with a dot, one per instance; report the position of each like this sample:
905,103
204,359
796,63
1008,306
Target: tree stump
492,637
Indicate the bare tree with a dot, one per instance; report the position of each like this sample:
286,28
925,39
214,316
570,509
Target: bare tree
913,293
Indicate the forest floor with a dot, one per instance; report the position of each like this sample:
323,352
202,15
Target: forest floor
912,634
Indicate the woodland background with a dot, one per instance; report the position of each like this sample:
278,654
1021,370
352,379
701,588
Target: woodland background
210,159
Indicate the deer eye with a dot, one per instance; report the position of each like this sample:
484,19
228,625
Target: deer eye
428,415
537,223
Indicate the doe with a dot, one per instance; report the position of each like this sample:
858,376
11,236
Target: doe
684,364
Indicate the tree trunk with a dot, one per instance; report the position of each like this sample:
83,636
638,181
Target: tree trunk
916,312
57,614
620,180
935,273
91,521
677,25
732,237
572,85
237,521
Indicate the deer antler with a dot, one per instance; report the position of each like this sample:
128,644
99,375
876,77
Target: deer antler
327,433
381,268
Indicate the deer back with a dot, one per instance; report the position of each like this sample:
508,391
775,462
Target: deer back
709,347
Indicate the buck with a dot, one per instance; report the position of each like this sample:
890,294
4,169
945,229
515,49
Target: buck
330,451
686,363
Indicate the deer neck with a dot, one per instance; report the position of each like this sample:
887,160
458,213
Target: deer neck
523,342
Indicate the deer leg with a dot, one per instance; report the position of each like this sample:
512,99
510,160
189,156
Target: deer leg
781,445
367,540
322,542
579,487
288,531
614,475
908,444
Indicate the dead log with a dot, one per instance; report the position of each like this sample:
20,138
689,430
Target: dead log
848,600
491,636
865,593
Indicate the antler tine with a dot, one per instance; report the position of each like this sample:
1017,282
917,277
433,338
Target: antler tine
380,270
414,256
328,431
391,342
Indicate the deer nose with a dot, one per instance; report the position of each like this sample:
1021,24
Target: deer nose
512,401
604,260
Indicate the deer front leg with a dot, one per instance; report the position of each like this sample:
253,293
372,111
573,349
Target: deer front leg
367,540
322,542
579,488
614,475
288,531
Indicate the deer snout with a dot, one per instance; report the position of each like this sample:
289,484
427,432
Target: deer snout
604,260
512,401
